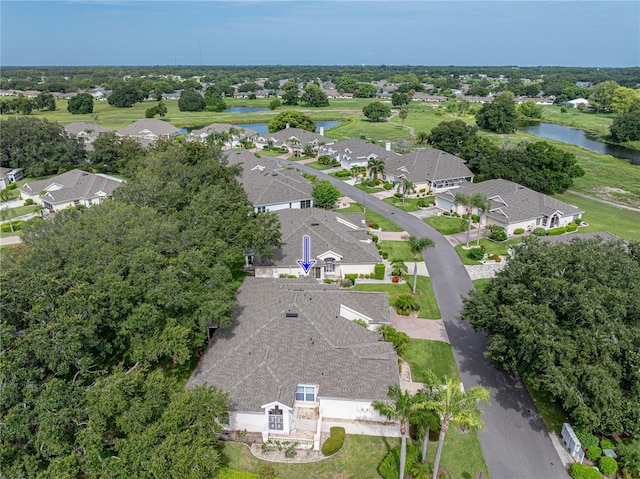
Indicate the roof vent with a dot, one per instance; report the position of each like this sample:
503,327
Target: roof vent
291,315
315,224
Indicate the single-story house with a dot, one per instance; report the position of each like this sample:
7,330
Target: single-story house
73,188
294,139
295,364
270,187
338,245
356,152
87,132
513,206
577,102
429,169
149,129
215,128
9,175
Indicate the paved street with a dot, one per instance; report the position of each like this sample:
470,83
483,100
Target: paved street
516,444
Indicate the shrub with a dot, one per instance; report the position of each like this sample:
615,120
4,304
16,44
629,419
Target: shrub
374,238
629,457
446,213
390,465
379,271
388,186
540,231
496,258
28,202
228,473
406,303
498,234
578,221
11,186
346,283
582,471
351,277
607,444
608,466
267,471
334,442
557,231
6,227
397,195
571,227
375,226
342,174
385,254
422,203
594,453
518,231
476,254
586,439
475,218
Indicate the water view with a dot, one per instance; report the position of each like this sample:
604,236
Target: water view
263,130
579,138
245,109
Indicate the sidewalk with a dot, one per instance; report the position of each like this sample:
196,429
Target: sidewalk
417,328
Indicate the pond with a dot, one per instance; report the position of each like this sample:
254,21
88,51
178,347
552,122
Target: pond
245,109
263,130
579,138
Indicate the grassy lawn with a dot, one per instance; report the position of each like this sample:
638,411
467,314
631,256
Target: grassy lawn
342,178
410,204
585,120
272,153
398,250
384,223
352,208
359,459
461,454
6,234
552,414
491,247
447,225
317,166
370,189
425,298
24,210
481,284
423,355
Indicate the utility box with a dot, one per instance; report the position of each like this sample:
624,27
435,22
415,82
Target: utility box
571,443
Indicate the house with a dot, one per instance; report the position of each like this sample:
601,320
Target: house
295,139
270,187
238,134
356,152
149,129
577,102
295,364
73,188
9,175
338,244
429,169
87,132
513,206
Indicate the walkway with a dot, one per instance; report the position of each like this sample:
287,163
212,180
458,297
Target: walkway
515,443
418,328
600,200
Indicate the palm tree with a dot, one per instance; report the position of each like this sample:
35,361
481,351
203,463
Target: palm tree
403,185
452,404
416,245
470,200
422,137
401,407
425,419
482,206
397,267
375,167
404,113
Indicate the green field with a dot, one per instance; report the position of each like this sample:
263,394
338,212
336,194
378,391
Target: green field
398,250
448,225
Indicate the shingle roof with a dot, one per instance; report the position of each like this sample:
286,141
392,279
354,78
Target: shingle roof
222,127
512,203
264,355
266,183
143,127
90,130
304,137
602,235
428,164
326,233
356,149
72,185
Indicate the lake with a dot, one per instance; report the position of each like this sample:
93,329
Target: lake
579,138
263,130
245,109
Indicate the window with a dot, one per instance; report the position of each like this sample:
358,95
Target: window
306,393
276,422
329,265
305,204
261,209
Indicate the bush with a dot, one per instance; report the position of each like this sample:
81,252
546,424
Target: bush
374,238
585,437
342,174
385,254
446,213
476,254
6,227
28,202
496,258
582,471
351,277
334,442
11,186
379,271
390,465
475,218
578,221
406,303
607,444
397,195
571,227
518,231
498,234
375,226
346,283
422,203
594,453
608,466
557,231
540,231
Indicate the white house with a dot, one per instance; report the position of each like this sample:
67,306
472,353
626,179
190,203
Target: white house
9,175
295,364
356,152
513,206
294,139
86,132
149,130
577,102
73,188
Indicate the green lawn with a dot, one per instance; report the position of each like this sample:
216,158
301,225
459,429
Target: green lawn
410,204
447,225
272,153
317,166
370,189
352,208
398,250
491,247
6,234
481,284
24,210
423,355
384,223
359,459
424,294
584,120
551,412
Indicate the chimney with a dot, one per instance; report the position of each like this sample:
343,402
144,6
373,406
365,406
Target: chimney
387,146
287,126
322,131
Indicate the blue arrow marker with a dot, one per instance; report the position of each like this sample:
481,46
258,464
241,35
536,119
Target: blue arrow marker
306,263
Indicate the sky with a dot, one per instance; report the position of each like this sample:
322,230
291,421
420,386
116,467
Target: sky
320,32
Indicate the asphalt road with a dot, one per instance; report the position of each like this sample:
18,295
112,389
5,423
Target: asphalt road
516,444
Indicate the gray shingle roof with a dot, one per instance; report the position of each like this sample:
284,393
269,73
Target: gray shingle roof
72,185
266,183
143,127
222,127
304,137
602,235
326,233
264,355
84,129
512,203
356,149
428,164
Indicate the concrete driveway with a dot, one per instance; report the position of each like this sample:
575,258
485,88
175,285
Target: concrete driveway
516,444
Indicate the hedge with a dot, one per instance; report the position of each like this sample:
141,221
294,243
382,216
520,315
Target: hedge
607,444
334,442
586,439
594,453
608,466
518,231
557,231
388,186
379,271
476,254
6,227
540,231
582,471
389,468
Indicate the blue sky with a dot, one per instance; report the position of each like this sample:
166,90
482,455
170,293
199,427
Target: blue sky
330,32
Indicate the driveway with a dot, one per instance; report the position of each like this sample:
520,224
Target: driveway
515,444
